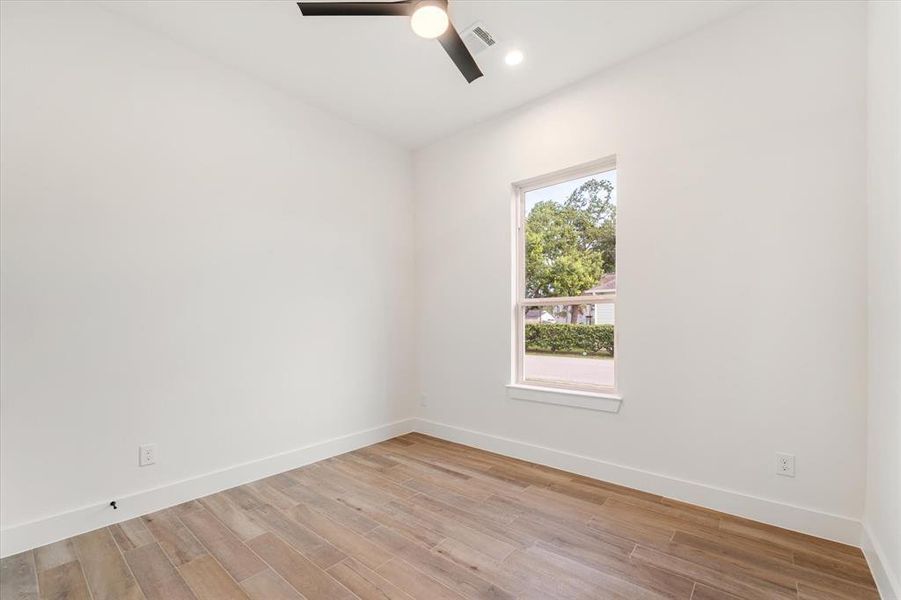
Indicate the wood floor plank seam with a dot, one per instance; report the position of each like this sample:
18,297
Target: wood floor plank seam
34,566
83,574
410,556
277,574
413,567
209,553
230,568
299,551
127,566
262,559
160,523
384,589
171,563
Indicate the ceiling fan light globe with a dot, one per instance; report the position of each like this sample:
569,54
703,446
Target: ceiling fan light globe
429,20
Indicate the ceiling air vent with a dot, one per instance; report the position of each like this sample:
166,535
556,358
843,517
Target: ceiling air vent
477,38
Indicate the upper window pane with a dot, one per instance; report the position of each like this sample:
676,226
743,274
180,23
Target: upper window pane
570,238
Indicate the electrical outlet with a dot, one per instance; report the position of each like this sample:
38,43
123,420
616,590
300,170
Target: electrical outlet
146,455
785,464
423,401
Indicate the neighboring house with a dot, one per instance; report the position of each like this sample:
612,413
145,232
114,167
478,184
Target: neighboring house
600,313
603,314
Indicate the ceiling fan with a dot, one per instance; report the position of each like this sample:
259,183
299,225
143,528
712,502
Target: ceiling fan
428,18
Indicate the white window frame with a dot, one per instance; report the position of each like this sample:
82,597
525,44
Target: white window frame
592,397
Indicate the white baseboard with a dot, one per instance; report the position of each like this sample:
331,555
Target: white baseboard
36,533
887,581
825,525
19,538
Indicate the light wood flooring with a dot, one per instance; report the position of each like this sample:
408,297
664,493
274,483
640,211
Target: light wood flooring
420,518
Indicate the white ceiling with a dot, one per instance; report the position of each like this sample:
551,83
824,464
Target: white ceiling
374,71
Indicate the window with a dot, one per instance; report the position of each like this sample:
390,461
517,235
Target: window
566,280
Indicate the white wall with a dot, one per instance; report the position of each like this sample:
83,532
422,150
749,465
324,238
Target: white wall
741,265
188,258
882,516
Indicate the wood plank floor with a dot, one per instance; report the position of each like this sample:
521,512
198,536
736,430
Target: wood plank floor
420,518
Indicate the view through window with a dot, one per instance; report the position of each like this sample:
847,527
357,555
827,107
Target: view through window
566,307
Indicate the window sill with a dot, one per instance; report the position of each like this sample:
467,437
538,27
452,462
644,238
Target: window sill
603,402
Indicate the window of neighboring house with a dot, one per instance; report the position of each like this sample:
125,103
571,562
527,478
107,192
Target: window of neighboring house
566,279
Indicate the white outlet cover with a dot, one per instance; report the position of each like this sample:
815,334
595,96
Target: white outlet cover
146,455
785,464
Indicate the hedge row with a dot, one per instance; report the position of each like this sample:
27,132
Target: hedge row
570,339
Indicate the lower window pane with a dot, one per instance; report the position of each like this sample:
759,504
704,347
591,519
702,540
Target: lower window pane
570,345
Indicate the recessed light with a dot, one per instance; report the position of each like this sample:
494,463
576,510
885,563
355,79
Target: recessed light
513,57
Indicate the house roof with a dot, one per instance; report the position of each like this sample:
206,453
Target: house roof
606,284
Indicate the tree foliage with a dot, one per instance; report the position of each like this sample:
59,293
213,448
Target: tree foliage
571,244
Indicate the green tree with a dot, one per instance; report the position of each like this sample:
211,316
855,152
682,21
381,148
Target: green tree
571,244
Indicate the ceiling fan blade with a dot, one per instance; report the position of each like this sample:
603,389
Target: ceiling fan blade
355,9
452,43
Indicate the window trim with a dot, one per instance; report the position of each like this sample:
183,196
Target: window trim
602,402
578,395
